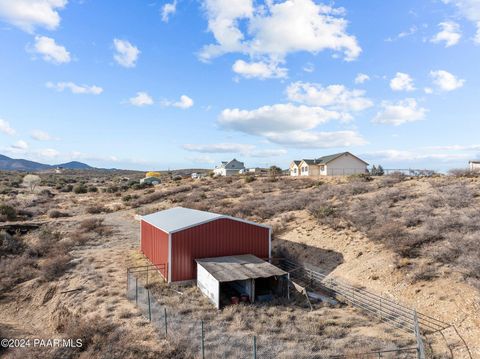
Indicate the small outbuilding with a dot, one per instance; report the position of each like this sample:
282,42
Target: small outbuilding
175,238
474,165
243,277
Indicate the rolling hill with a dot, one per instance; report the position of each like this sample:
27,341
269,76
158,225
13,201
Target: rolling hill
18,164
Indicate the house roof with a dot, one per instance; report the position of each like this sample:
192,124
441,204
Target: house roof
326,159
240,267
474,161
178,218
297,162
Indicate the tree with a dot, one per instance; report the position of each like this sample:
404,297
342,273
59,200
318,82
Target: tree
380,171
31,181
373,171
274,171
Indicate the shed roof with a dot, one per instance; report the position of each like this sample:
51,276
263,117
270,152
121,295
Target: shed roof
240,267
179,218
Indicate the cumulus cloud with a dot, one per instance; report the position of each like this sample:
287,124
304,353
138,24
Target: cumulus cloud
29,14
446,81
168,9
20,145
141,99
276,29
50,50
278,118
40,135
6,128
398,113
450,34
125,54
361,78
74,88
184,102
470,10
261,70
393,155
402,82
335,97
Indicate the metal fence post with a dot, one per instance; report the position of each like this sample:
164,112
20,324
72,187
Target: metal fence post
254,347
136,291
149,307
203,343
165,320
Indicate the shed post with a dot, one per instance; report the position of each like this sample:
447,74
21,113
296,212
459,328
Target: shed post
203,342
254,347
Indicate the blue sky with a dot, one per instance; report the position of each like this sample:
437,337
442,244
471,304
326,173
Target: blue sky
186,83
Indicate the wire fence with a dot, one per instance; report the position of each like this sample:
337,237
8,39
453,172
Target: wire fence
201,338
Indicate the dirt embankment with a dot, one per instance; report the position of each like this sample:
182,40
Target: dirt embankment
351,256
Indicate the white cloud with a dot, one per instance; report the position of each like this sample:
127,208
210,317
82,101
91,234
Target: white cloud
400,112
202,159
168,9
393,155
304,139
261,70
184,102
402,82
279,118
126,54
50,50
40,135
74,88
309,67
219,148
268,153
336,97
29,14
48,153
361,78
411,31
20,145
141,99
244,149
428,90
446,81
470,9
450,34
6,128
276,29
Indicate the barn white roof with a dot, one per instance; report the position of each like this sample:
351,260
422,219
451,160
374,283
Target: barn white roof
179,218
241,267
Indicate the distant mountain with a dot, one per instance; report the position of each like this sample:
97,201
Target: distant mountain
18,164
74,165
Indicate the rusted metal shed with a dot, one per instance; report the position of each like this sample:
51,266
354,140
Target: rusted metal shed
179,236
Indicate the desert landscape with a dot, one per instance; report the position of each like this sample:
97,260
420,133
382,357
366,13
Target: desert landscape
67,243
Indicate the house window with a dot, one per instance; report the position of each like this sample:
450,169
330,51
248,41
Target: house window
295,170
322,168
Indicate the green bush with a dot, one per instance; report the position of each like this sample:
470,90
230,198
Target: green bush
80,188
7,213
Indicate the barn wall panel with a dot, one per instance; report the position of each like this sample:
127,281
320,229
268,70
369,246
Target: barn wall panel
222,237
154,245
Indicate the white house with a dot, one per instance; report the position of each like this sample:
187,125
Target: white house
474,165
230,168
295,168
339,164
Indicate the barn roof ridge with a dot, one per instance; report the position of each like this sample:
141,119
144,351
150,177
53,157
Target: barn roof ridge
177,219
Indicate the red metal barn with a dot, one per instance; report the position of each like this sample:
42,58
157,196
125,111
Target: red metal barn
178,236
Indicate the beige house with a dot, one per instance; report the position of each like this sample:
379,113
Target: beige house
474,165
339,164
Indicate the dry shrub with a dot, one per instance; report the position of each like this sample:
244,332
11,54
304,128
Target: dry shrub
96,209
94,225
15,270
57,214
55,266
